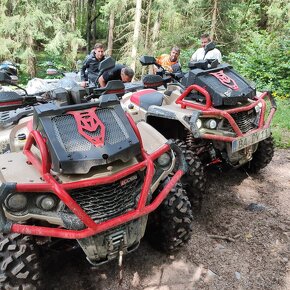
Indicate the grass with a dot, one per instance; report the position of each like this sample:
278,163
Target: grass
281,124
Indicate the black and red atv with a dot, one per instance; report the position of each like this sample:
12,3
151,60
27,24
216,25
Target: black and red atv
212,112
88,174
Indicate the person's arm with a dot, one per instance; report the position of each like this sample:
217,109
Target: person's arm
102,82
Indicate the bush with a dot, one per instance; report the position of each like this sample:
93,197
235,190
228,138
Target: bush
264,60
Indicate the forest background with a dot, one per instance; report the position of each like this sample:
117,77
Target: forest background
252,35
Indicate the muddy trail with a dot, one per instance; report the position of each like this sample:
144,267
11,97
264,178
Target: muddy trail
240,240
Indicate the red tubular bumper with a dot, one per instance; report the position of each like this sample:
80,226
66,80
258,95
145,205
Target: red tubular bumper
208,110
60,190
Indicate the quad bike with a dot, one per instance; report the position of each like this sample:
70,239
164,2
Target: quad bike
88,174
37,91
213,113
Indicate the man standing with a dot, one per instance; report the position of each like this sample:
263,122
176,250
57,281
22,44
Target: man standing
207,50
170,61
119,72
89,70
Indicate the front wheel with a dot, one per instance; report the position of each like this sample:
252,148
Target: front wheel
262,156
170,226
194,181
19,265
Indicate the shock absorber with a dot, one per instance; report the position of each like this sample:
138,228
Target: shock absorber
190,141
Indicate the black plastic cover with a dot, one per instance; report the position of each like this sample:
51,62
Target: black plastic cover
71,152
78,94
61,95
10,100
225,86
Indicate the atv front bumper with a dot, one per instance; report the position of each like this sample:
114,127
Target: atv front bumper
208,111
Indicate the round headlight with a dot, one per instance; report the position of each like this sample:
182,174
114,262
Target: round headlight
258,107
164,160
46,202
198,123
16,202
211,124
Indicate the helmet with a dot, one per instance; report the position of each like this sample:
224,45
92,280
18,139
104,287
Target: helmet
9,68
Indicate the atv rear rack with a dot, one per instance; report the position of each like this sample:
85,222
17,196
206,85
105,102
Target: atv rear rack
209,110
61,190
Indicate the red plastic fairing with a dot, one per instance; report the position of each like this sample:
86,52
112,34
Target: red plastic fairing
135,98
60,190
208,110
11,103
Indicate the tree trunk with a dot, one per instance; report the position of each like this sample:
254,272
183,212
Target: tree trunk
147,38
81,7
111,33
73,15
89,25
137,27
94,24
214,20
155,36
31,60
156,29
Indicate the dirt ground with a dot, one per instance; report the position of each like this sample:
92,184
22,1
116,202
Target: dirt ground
241,240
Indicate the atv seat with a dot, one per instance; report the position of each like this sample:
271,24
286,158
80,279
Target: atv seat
146,98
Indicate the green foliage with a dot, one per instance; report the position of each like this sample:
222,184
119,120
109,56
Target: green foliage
29,26
265,60
281,124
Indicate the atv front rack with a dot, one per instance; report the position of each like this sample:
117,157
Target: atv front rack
208,110
51,184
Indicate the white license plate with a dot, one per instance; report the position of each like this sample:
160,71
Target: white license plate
244,142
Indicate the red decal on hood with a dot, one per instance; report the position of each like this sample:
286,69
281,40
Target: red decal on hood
88,122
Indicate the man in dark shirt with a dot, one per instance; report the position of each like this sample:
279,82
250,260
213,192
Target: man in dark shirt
119,72
90,68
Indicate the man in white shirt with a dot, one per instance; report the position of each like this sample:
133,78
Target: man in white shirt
207,51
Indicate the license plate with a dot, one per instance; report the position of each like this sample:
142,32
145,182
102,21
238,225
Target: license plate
244,142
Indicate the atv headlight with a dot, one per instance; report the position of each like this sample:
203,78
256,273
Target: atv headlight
16,202
164,160
258,108
211,124
45,202
198,123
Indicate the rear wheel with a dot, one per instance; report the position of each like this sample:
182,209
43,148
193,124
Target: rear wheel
170,226
19,267
262,157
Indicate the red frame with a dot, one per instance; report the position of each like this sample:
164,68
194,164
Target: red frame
209,110
43,165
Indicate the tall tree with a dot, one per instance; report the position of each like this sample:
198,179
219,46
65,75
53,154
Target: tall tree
111,32
137,27
214,19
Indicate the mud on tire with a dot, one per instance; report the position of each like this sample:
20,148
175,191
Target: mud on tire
262,157
194,182
19,267
170,226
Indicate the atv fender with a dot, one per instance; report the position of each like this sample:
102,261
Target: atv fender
152,140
